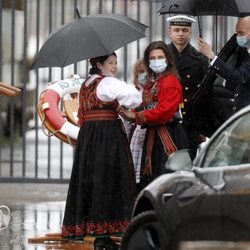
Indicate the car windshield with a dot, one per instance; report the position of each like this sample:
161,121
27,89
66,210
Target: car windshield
232,146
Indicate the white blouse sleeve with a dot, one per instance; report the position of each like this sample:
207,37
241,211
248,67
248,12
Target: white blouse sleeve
111,88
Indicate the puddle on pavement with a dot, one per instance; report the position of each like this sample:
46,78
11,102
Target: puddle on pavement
31,221
36,225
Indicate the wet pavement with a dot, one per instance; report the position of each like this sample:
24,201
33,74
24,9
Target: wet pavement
36,210
36,215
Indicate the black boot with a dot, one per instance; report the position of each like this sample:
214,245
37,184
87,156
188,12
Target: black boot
105,243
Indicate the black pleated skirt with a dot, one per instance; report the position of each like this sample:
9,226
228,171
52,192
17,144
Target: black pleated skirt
102,187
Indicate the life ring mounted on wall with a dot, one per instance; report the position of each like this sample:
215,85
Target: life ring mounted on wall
61,123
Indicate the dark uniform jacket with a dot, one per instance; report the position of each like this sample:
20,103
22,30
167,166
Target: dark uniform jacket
192,67
237,77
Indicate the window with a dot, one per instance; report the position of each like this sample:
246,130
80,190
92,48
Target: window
232,146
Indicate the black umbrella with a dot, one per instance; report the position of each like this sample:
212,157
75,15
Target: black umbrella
238,8
207,7
87,37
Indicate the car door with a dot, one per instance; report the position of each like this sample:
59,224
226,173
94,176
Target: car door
225,167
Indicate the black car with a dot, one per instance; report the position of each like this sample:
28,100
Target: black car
207,199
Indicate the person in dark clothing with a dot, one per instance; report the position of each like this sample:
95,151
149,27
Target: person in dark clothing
192,66
237,76
102,186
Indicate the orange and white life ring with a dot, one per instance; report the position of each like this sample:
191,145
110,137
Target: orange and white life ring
62,124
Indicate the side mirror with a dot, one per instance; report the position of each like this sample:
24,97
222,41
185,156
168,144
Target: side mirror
179,160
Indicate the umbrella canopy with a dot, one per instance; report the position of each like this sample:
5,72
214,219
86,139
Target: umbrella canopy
87,37
238,8
207,7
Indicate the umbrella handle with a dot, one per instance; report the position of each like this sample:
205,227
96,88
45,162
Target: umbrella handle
199,26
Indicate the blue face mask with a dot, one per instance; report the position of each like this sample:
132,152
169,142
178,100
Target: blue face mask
158,65
242,41
142,78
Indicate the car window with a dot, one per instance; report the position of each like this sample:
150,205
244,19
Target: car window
232,146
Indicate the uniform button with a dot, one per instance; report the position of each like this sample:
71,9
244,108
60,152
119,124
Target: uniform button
235,95
186,88
188,76
184,113
185,100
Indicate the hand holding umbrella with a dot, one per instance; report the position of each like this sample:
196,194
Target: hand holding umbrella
205,49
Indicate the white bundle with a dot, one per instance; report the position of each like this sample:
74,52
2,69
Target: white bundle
4,217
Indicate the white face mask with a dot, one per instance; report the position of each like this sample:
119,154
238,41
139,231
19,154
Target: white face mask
142,78
158,65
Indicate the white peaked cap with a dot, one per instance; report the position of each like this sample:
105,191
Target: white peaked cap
181,20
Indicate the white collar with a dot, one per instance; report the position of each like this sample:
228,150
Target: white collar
91,79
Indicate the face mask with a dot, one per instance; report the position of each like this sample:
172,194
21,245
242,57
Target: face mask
158,65
142,78
242,41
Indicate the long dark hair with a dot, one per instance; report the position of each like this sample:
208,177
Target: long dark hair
101,59
171,68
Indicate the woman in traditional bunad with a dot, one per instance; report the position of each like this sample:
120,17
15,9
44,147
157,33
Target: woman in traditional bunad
159,112
102,185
